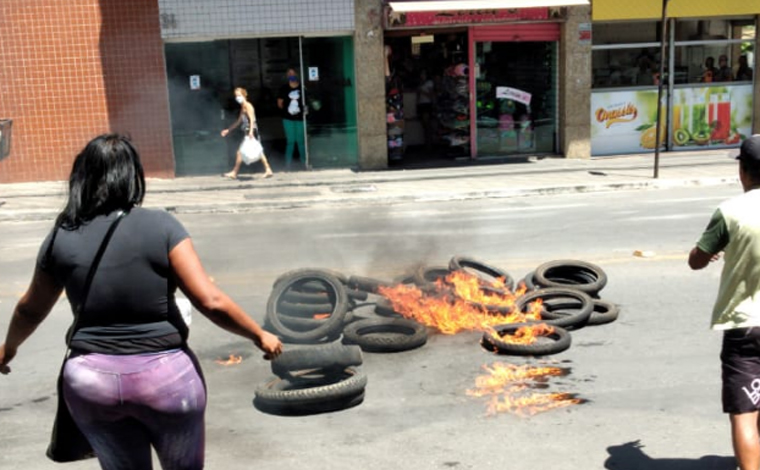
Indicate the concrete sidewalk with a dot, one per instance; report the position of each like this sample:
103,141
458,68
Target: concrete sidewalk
517,178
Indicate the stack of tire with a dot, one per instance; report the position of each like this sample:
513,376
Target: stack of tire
569,292
313,379
317,306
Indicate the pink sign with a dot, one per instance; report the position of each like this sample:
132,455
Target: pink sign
415,19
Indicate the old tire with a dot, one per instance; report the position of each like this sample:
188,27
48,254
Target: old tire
384,308
604,312
566,318
328,356
580,275
327,327
385,334
461,263
556,342
307,393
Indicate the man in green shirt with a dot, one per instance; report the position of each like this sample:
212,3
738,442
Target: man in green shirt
734,230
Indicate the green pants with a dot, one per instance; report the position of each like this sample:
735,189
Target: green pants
293,136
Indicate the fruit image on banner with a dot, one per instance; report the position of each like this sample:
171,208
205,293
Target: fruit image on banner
624,122
715,116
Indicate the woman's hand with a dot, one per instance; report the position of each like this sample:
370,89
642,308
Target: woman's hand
270,344
225,132
6,356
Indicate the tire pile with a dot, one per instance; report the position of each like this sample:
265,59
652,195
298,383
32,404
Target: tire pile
319,310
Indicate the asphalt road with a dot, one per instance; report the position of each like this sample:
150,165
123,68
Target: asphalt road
651,378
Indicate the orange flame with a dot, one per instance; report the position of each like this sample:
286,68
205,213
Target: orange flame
525,334
504,383
321,316
233,360
462,301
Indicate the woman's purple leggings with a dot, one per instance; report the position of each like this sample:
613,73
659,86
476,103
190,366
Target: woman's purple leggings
125,404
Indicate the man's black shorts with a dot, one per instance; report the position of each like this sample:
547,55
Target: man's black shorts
740,367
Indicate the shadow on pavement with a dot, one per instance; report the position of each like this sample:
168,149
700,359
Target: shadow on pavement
629,456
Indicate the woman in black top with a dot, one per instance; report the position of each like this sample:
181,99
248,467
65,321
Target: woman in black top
290,102
130,380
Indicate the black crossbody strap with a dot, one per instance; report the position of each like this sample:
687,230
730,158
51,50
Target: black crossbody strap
91,274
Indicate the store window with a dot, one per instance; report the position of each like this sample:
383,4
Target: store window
714,51
625,54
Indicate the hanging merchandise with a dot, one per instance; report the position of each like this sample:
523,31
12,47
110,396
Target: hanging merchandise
454,109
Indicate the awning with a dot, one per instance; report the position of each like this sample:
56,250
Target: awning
453,5
610,10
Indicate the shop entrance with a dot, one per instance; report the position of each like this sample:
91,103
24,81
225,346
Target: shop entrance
428,98
202,77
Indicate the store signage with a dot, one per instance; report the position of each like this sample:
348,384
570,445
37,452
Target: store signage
313,74
507,93
195,82
416,19
584,33
701,117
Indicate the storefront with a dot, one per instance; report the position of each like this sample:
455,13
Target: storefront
709,79
472,83
210,54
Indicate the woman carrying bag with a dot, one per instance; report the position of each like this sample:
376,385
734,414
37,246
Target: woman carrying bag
247,122
130,381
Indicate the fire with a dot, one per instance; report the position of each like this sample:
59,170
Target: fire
504,384
524,335
321,316
462,301
231,361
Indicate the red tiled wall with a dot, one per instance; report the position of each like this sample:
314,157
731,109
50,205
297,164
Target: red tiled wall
75,69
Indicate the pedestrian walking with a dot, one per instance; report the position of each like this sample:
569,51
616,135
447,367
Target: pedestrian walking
290,102
247,122
734,230
129,381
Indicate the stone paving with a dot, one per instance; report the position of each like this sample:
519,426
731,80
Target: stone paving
530,176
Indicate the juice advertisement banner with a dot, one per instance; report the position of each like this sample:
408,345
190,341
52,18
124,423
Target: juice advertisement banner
709,117
702,117
624,122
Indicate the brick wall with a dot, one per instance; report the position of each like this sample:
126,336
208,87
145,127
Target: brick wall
72,70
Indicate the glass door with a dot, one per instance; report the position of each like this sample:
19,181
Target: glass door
516,97
330,97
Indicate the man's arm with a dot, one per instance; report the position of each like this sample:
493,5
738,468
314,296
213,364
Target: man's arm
713,241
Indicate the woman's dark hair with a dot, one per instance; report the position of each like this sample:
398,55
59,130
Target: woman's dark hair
106,176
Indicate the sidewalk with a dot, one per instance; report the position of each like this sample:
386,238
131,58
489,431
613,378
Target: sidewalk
531,176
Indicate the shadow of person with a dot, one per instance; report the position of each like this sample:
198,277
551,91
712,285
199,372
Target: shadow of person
629,456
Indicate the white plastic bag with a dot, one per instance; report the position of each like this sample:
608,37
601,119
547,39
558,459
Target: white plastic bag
185,309
251,150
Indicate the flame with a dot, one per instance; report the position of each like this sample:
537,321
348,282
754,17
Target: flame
504,384
525,334
461,301
321,316
233,360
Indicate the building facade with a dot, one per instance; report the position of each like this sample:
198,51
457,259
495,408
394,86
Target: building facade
381,87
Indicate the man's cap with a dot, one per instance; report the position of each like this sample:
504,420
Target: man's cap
750,150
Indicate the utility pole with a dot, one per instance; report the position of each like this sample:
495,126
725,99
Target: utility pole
663,50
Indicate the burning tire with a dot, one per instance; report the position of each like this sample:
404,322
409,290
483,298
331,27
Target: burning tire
603,312
426,276
553,342
385,334
333,356
330,326
309,393
529,282
461,263
384,308
580,275
564,307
